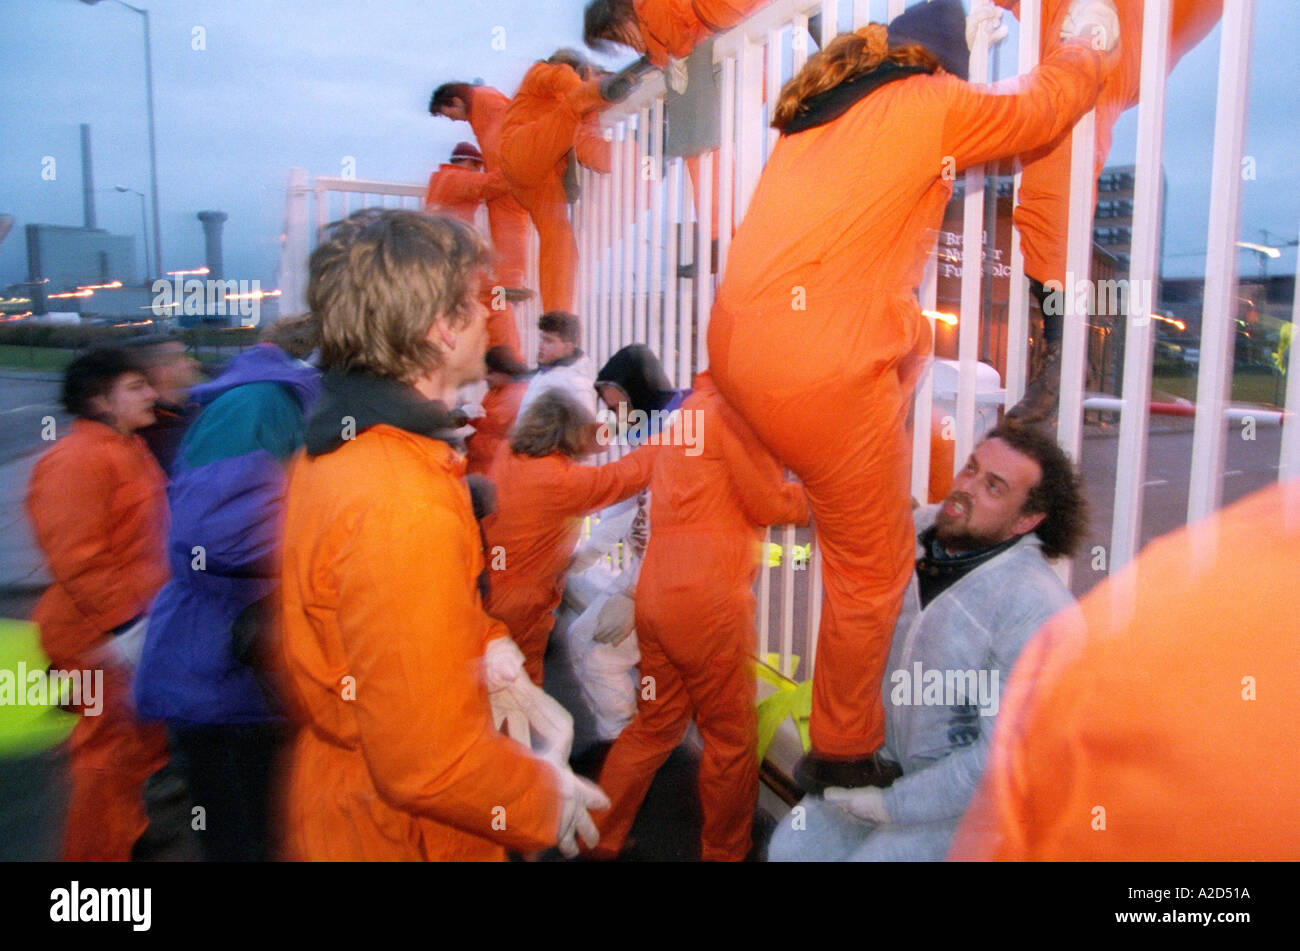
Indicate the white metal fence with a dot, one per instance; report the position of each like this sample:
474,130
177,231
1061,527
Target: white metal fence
636,225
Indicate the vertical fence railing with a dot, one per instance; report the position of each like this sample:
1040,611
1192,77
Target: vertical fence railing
637,225
1139,338
1218,325
312,204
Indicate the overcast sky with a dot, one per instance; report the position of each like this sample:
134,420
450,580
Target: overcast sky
246,90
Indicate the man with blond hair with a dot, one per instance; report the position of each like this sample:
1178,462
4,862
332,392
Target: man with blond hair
390,656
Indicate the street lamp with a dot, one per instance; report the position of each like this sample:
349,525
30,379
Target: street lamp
153,151
144,227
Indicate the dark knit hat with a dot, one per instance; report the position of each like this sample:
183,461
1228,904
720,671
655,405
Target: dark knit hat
466,150
939,26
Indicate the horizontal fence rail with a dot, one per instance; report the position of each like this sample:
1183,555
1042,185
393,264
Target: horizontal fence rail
648,257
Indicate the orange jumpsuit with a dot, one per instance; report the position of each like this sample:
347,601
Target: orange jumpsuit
98,504
695,624
1043,212
491,432
383,636
675,27
507,219
459,191
534,530
1158,730
553,112
817,338
500,403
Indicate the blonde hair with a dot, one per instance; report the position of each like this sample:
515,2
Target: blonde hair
379,281
846,57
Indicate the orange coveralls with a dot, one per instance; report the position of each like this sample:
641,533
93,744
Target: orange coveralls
534,531
459,191
675,27
1043,211
491,432
97,501
500,403
817,338
384,636
553,112
507,219
695,624
1141,717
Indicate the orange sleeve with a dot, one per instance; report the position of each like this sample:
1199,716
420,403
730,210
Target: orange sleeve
462,185
413,630
69,503
585,489
982,124
757,475
594,151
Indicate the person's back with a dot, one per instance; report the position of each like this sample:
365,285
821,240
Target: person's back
851,204
542,491
226,504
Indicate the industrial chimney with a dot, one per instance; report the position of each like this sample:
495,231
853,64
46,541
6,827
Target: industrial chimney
212,223
87,179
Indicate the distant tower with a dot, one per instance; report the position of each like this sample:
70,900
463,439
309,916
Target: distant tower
212,223
87,179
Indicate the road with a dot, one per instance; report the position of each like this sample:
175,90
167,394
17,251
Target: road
27,401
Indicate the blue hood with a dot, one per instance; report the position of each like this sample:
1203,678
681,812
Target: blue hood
264,363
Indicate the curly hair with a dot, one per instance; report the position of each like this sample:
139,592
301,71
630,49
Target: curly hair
1058,494
846,57
380,279
554,422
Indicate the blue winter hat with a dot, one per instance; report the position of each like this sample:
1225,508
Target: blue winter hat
939,26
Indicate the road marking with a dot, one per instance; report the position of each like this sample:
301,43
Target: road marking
1235,472
1155,482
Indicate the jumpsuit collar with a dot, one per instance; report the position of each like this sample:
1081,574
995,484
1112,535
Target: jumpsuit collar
834,102
372,400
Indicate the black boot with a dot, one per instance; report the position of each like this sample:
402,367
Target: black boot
1043,390
619,86
814,774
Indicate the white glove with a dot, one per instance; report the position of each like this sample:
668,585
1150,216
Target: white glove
615,620
534,719
980,15
473,410
675,75
503,663
866,803
1094,20
577,797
